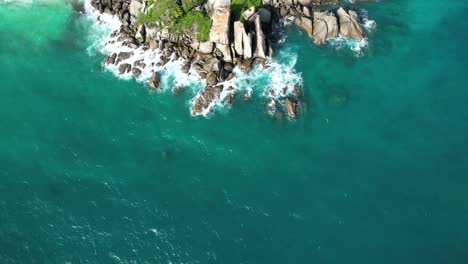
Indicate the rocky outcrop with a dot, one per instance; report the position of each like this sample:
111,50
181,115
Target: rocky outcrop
349,25
325,26
243,44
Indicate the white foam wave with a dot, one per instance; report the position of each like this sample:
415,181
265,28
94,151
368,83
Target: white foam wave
358,47
368,24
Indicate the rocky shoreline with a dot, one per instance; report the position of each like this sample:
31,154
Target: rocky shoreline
233,43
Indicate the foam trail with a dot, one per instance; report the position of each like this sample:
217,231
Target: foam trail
358,47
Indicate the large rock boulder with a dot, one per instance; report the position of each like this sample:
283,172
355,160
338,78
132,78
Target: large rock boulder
349,25
325,26
206,47
219,32
125,68
247,42
239,32
226,51
260,50
212,65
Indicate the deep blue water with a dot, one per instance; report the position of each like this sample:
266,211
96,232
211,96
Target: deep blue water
94,169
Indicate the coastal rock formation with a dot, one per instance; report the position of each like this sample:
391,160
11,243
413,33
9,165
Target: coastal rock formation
325,26
349,25
213,41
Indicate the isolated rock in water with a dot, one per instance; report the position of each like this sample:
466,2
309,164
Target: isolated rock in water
325,26
349,25
239,32
124,55
219,32
124,68
154,81
136,72
110,59
212,65
290,107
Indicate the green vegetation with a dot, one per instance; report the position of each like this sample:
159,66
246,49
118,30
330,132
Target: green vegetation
179,17
163,10
194,21
187,5
239,6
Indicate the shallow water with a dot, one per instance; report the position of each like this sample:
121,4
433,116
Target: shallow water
94,169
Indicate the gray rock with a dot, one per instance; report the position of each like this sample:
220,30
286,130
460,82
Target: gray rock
212,65
136,72
154,81
124,68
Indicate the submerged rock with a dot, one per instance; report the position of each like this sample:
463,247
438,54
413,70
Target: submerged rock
291,107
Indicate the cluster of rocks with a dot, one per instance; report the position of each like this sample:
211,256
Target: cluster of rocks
243,44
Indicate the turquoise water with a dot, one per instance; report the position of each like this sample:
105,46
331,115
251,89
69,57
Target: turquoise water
94,169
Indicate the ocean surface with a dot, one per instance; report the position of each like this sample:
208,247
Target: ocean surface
98,169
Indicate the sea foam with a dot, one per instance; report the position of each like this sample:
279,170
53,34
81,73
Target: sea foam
104,42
